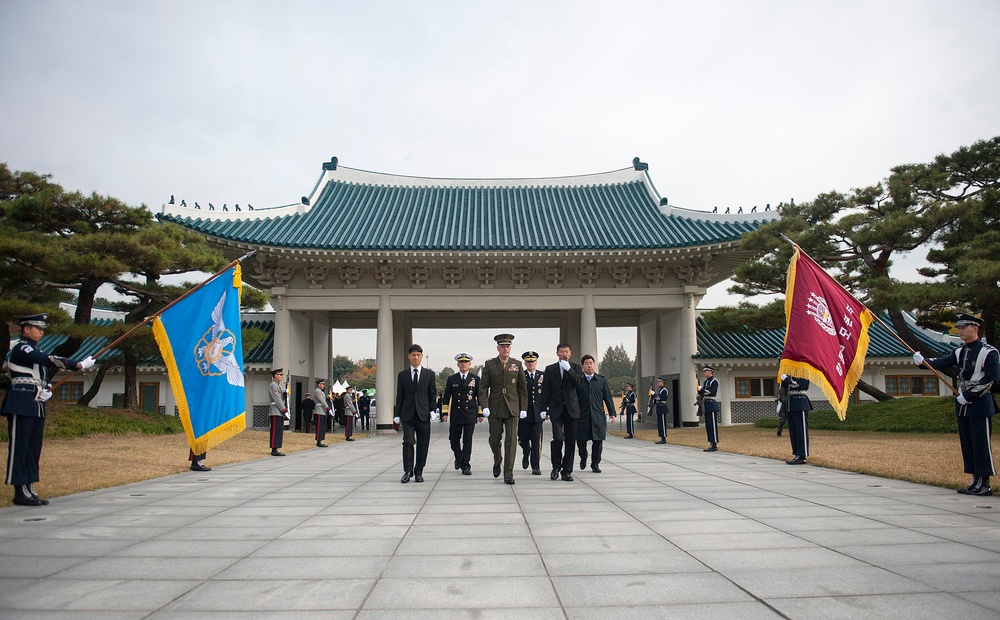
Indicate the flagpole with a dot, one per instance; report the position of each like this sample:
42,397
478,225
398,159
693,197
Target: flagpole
151,317
891,331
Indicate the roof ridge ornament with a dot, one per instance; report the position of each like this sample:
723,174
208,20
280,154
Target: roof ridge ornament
330,165
639,165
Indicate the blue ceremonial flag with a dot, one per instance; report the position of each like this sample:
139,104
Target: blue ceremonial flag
202,345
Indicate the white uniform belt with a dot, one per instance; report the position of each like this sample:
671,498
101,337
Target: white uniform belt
709,398
28,380
798,392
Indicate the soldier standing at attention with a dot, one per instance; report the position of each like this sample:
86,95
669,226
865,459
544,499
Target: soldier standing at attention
709,391
24,406
503,395
529,429
628,408
321,409
659,397
461,394
278,412
797,407
978,370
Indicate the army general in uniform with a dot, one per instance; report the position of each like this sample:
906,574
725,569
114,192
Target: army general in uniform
24,406
504,399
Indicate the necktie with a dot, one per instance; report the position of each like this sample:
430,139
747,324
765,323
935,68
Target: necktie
416,374
463,377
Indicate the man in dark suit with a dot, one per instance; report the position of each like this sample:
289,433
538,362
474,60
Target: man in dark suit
461,393
503,394
416,393
595,397
561,404
529,430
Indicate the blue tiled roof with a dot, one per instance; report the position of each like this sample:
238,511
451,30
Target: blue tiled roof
363,211
769,343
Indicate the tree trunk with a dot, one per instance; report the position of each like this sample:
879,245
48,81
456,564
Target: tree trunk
131,377
873,391
903,329
102,369
84,308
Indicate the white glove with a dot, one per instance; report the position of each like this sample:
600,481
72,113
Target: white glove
44,395
395,420
544,414
918,359
523,415
564,364
961,399
486,412
87,362
434,416
288,415
778,408
783,376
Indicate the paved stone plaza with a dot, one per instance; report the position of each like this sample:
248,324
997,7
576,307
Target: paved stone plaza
664,531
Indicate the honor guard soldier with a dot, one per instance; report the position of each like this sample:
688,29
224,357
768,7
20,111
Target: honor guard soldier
797,407
659,397
278,411
503,395
350,413
529,429
24,406
709,392
628,408
461,394
321,409
978,371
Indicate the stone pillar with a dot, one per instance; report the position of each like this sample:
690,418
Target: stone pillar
282,353
588,330
385,366
689,346
725,378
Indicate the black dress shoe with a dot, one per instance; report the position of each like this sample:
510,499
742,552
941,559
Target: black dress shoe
662,441
583,463
457,464
799,460
555,474
350,439
711,448
277,453
524,461
320,444
406,477
628,436
508,479
595,469
199,467
467,471
418,478
21,500
536,472
496,471
568,477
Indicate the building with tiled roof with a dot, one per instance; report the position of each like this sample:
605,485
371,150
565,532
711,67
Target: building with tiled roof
373,250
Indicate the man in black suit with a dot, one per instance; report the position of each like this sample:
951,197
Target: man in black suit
462,395
561,404
529,430
415,393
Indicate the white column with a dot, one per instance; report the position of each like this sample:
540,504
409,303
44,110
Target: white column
281,354
385,365
689,346
588,329
725,394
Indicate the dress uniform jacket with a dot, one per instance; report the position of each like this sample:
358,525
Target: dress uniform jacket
462,398
277,399
350,406
628,402
29,375
594,397
322,406
534,390
503,389
978,372
710,391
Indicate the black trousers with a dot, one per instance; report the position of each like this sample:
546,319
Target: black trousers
277,431
630,423
529,437
712,426
598,450
974,435
24,448
460,436
348,426
798,432
320,427
416,439
563,442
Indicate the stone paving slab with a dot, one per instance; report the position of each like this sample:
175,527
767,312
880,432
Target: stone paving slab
662,532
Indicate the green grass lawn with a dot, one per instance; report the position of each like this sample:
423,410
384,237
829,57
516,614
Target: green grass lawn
902,415
64,421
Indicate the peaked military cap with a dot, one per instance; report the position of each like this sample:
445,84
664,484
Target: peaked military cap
36,320
708,368
318,381
661,378
277,371
963,319
504,338
463,357
631,385
529,356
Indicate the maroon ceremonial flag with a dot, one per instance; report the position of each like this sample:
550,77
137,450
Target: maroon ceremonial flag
826,332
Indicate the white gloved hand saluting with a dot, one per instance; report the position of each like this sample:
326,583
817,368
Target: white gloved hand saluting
523,415
87,362
486,412
564,364
961,399
918,359
44,395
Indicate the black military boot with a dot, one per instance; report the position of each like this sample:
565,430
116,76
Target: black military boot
23,497
983,490
968,489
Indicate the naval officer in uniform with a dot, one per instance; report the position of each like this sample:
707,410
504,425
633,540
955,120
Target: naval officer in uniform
461,394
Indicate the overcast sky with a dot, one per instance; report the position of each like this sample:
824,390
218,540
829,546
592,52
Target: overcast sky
731,103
